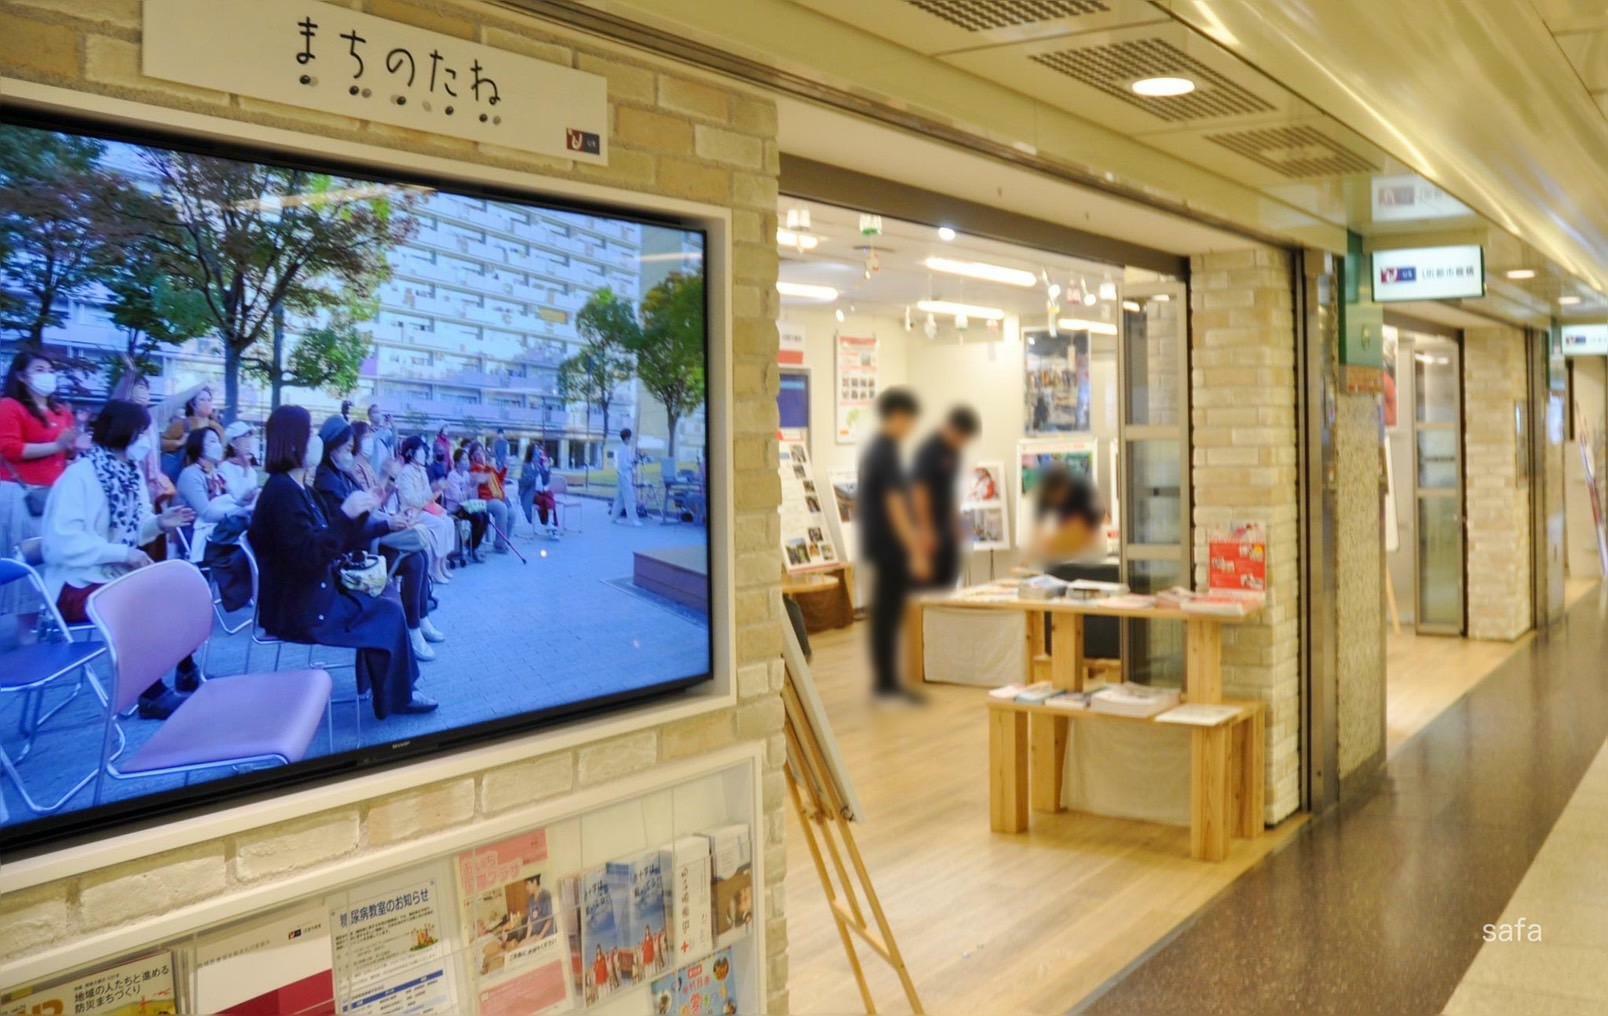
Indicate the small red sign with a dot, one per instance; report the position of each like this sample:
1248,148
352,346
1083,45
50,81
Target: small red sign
1238,560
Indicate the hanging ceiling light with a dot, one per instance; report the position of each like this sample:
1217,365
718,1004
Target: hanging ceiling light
1073,324
909,321
870,225
951,309
984,271
805,291
929,328
838,314
1108,290
1162,87
798,219
800,242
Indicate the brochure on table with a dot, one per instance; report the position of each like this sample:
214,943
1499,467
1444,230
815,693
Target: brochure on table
807,540
501,929
982,506
1078,452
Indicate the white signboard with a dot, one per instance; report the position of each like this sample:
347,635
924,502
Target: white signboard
327,58
1411,198
1585,340
1429,273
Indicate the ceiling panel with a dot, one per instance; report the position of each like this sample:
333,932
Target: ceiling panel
1588,54
1572,15
943,26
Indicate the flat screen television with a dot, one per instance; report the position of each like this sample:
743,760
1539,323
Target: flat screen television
560,351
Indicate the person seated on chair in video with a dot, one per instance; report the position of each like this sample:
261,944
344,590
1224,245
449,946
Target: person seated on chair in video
1068,517
301,598
488,486
96,519
459,489
399,543
536,491
934,486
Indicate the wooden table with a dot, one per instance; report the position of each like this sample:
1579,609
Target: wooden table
1227,783
825,595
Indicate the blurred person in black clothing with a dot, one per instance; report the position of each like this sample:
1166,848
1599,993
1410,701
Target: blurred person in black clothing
889,536
934,493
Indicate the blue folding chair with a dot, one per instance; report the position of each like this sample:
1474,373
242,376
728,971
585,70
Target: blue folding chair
30,669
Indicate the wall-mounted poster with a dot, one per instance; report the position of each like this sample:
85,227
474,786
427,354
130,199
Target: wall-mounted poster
393,952
806,530
982,506
1032,457
1057,388
511,916
856,393
790,350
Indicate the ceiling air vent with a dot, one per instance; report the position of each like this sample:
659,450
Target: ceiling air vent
1294,151
1113,66
991,15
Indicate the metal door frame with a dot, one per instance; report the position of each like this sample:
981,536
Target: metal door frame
1409,327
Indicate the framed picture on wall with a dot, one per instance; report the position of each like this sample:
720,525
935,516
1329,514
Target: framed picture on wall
1057,394
982,506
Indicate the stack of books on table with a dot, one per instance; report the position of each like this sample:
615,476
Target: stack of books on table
1072,700
1214,604
1029,694
1089,589
1129,699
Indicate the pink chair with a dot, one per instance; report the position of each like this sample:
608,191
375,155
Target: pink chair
151,619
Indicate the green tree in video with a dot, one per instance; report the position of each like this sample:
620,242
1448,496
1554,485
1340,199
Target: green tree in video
670,347
64,226
152,308
328,356
260,242
609,331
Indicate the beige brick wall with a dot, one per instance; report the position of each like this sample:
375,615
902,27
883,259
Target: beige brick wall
673,133
1497,499
1243,447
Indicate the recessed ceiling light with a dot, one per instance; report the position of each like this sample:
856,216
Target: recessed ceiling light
1521,273
1161,297
984,271
1162,87
1568,301
961,309
945,234
804,291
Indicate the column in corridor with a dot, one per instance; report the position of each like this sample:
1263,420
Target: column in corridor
1243,444
1497,498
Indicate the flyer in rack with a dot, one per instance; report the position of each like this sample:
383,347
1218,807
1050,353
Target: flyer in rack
279,964
140,987
709,987
512,913
393,956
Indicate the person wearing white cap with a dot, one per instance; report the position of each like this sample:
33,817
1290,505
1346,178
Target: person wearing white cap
239,465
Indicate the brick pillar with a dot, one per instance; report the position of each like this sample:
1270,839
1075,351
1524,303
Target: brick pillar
1359,587
1496,498
1243,451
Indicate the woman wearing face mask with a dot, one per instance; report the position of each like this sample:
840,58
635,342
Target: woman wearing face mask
298,544
202,488
419,506
198,413
36,438
403,546
98,516
239,465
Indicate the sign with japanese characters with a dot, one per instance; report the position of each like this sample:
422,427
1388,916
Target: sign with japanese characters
1585,340
327,58
1429,273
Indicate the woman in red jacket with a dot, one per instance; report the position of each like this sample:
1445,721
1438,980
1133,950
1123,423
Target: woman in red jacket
36,439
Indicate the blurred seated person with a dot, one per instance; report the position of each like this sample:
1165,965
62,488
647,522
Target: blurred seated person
536,490
418,503
488,486
399,542
459,490
199,412
300,593
239,465
96,519
1068,517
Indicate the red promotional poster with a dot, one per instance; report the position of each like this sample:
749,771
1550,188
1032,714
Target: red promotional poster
1238,560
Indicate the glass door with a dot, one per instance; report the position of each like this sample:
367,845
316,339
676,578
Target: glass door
1438,484
1153,507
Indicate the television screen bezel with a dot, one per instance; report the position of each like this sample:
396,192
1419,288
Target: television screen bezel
45,833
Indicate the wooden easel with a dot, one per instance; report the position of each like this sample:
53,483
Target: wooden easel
825,813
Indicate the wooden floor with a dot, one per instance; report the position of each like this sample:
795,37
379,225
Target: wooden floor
989,923
1426,673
